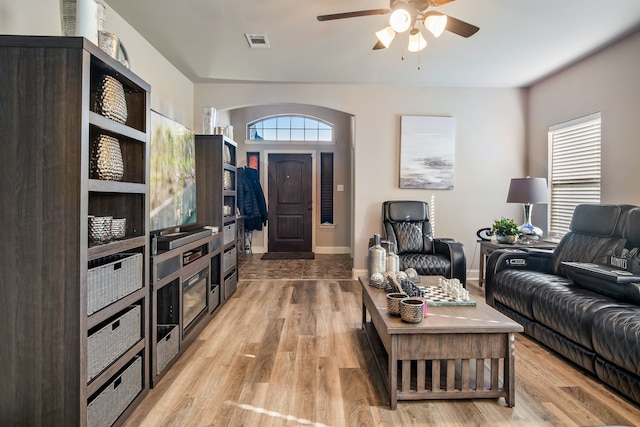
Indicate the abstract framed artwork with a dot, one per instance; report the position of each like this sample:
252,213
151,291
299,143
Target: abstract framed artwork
427,152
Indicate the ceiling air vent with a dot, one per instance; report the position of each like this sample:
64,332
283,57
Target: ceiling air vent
257,40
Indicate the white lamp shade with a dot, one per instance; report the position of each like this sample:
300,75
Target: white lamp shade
416,41
435,23
386,36
400,20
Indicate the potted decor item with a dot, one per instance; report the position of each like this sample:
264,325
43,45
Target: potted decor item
506,230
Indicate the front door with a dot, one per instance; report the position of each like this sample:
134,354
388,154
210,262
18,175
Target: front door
290,202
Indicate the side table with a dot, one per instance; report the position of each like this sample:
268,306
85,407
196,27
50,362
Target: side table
488,246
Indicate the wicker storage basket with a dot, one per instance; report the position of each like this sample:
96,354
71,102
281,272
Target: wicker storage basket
112,278
229,233
107,406
112,340
230,283
229,259
168,346
214,298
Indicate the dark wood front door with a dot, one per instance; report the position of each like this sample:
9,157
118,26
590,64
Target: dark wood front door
290,202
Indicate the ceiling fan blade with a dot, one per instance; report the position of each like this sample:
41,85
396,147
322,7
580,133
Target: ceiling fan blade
379,46
353,14
460,28
423,5
436,3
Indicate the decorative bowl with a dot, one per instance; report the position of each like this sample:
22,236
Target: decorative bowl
510,239
100,228
412,310
393,302
119,228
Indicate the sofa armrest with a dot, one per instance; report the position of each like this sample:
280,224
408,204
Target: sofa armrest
514,259
454,252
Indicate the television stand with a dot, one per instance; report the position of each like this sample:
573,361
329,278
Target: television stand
174,240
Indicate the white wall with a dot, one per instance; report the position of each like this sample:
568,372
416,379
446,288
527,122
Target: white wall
489,147
30,17
171,91
607,82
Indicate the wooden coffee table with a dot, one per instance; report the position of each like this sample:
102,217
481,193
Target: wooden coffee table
456,352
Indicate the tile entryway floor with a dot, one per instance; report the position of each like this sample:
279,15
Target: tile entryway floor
323,266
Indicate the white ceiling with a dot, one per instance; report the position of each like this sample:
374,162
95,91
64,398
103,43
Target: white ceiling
519,42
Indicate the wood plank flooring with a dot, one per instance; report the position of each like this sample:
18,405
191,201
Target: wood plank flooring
292,352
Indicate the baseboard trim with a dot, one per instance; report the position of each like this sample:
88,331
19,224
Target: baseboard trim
335,250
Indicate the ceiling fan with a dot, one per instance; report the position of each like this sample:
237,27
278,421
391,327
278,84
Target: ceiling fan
404,16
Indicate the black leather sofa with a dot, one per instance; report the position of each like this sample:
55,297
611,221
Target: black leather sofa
407,228
579,309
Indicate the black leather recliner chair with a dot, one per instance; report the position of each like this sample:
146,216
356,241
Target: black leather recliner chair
408,230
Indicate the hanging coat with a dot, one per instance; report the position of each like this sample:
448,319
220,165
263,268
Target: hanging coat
251,201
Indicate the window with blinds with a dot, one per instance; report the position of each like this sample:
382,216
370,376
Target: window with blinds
326,188
574,169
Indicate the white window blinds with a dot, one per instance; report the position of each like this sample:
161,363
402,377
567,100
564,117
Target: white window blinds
574,169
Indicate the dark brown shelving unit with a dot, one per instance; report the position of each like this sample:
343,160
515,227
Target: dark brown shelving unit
51,372
216,177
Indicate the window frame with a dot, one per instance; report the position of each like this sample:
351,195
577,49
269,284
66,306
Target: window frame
575,169
281,118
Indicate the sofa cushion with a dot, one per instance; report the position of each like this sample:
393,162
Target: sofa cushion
569,310
632,228
514,288
597,220
409,237
592,236
407,211
576,247
616,336
426,265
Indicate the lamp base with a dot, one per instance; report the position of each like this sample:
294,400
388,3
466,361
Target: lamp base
530,233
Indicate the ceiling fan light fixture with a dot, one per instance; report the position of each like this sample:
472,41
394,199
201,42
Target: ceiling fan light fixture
416,41
386,36
435,23
400,20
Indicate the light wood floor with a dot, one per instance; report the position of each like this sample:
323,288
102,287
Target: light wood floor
291,352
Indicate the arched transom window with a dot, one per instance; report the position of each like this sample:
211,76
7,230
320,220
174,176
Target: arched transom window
290,128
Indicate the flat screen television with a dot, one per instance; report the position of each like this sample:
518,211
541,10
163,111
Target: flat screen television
172,172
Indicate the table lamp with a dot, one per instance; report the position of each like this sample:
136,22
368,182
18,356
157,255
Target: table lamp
528,191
